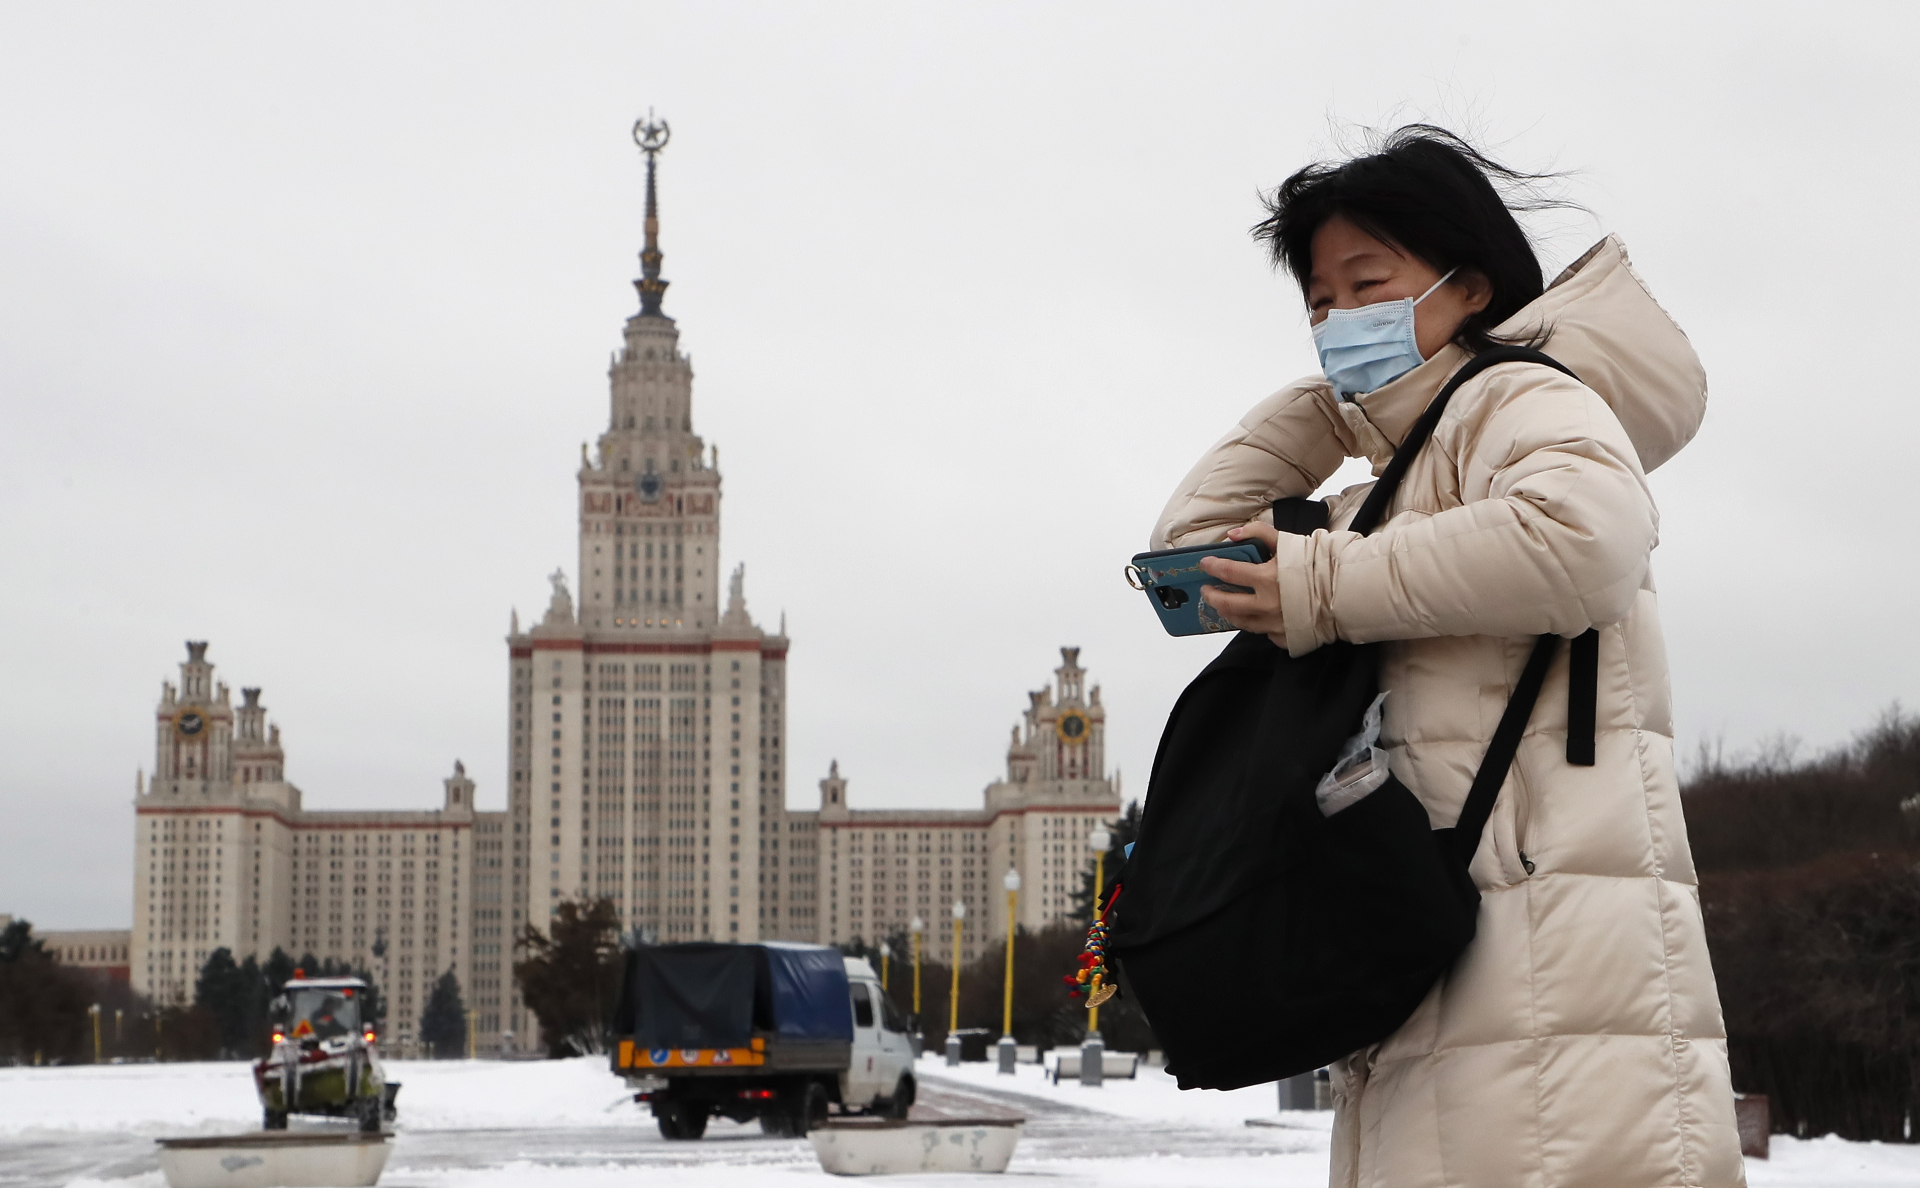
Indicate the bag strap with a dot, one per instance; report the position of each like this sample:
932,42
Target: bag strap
1374,510
1500,752
1583,696
1584,672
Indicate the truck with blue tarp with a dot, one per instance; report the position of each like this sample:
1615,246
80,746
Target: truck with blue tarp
779,1032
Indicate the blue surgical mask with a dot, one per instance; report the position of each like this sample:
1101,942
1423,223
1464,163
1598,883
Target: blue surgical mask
1365,349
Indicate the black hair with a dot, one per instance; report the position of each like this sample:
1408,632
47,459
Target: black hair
1431,194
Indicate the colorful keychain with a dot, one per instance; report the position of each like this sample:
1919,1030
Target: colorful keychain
1093,980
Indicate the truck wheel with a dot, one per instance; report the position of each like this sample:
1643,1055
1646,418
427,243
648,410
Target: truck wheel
677,1122
809,1110
902,1099
367,1110
274,1120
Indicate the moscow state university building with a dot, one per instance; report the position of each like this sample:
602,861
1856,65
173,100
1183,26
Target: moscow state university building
647,718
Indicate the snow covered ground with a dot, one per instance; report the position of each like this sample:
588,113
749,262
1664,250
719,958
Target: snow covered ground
570,1124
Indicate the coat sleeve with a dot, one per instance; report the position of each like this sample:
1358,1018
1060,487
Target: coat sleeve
1284,448
1552,532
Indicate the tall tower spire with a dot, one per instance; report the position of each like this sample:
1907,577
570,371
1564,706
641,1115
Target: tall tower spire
651,137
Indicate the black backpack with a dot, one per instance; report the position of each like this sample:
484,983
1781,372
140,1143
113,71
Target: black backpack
1260,938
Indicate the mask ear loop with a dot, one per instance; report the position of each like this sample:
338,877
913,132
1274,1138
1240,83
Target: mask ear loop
1436,284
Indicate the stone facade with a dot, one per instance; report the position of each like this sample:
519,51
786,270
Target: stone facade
226,856
105,951
884,868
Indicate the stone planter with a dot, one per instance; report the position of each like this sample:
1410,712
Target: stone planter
900,1148
276,1159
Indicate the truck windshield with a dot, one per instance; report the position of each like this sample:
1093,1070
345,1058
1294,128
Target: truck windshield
325,1014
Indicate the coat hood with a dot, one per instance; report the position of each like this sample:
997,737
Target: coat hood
1606,326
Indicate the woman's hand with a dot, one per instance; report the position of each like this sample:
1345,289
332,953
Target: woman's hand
1260,610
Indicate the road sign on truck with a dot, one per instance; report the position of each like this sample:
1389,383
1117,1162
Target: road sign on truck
775,1031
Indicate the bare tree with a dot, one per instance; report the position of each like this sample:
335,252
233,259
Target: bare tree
569,979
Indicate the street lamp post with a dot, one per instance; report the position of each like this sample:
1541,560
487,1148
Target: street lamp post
1093,1052
953,998
1009,1053
94,1010
916,928
886,982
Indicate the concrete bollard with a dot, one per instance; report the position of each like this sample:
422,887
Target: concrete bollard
1009,1054
953,1050
1296,1093
1750,1116
1093,1058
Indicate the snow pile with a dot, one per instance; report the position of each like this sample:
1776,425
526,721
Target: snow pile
137,1098
217,1097
1834,1163
470,1094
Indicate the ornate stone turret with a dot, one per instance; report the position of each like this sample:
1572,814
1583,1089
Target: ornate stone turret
459,791
1060,741
833,793
737,619
257,757
649,500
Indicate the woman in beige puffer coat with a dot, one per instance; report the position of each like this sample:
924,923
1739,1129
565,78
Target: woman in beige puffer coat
1578,1041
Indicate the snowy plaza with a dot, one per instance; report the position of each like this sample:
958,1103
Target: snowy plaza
571,1124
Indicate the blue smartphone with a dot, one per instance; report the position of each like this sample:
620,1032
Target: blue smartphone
1172,579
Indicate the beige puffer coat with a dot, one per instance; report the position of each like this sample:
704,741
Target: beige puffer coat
1578,1042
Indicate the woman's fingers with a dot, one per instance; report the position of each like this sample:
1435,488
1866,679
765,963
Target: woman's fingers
1240,573
1249,612
1256,607
1266,534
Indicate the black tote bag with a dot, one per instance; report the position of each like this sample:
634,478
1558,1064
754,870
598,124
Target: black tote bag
1260,938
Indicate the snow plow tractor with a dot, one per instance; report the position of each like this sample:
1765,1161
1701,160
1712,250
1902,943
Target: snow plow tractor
323,1059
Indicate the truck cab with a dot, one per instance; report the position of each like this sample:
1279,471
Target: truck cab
882,1048
779,1032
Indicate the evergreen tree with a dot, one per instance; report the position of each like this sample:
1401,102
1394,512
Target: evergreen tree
17,943
443,1024
278,968
43,1006
233,996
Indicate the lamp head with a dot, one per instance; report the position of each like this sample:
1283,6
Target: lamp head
1012,881
918,926
959,910
1099,839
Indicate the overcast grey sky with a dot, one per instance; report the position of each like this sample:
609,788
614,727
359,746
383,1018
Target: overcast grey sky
305,311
